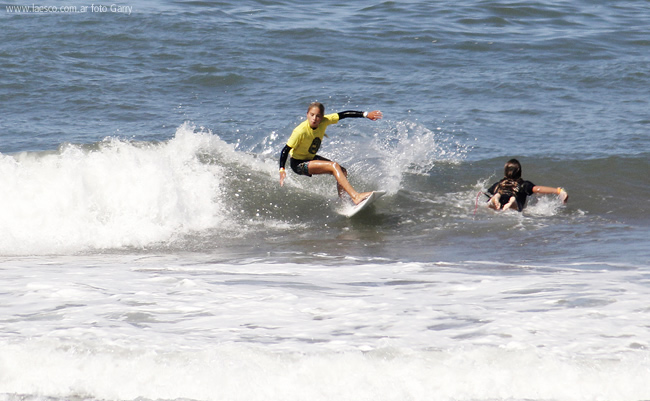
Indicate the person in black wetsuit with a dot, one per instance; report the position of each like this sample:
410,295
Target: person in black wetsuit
305,141
511,192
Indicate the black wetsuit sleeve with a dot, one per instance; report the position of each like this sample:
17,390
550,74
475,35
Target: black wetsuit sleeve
350,113
528,187
284,155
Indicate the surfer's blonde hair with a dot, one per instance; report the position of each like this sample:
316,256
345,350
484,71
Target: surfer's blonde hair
320,106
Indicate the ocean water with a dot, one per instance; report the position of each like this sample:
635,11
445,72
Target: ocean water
147,251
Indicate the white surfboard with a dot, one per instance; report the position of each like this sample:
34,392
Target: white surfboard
363,204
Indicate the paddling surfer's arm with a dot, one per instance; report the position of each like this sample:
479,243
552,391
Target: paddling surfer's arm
560,192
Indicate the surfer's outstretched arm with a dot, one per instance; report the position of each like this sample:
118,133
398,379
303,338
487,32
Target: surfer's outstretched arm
372,115
560,192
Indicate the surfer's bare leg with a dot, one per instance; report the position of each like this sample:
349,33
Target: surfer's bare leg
342,183
339,188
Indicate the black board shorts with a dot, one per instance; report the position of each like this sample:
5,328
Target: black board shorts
301,167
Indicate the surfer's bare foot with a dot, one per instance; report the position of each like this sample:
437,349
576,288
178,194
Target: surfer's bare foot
510,204
494,202
361,197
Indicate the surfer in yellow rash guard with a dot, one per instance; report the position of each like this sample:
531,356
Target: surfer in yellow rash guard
305,141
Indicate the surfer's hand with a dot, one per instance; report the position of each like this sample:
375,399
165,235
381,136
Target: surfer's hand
283,175
563,195
375,115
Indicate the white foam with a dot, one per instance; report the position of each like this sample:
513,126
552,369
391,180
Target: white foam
178,327
251,373
115,194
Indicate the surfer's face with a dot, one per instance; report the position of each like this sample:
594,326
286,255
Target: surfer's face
314,117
